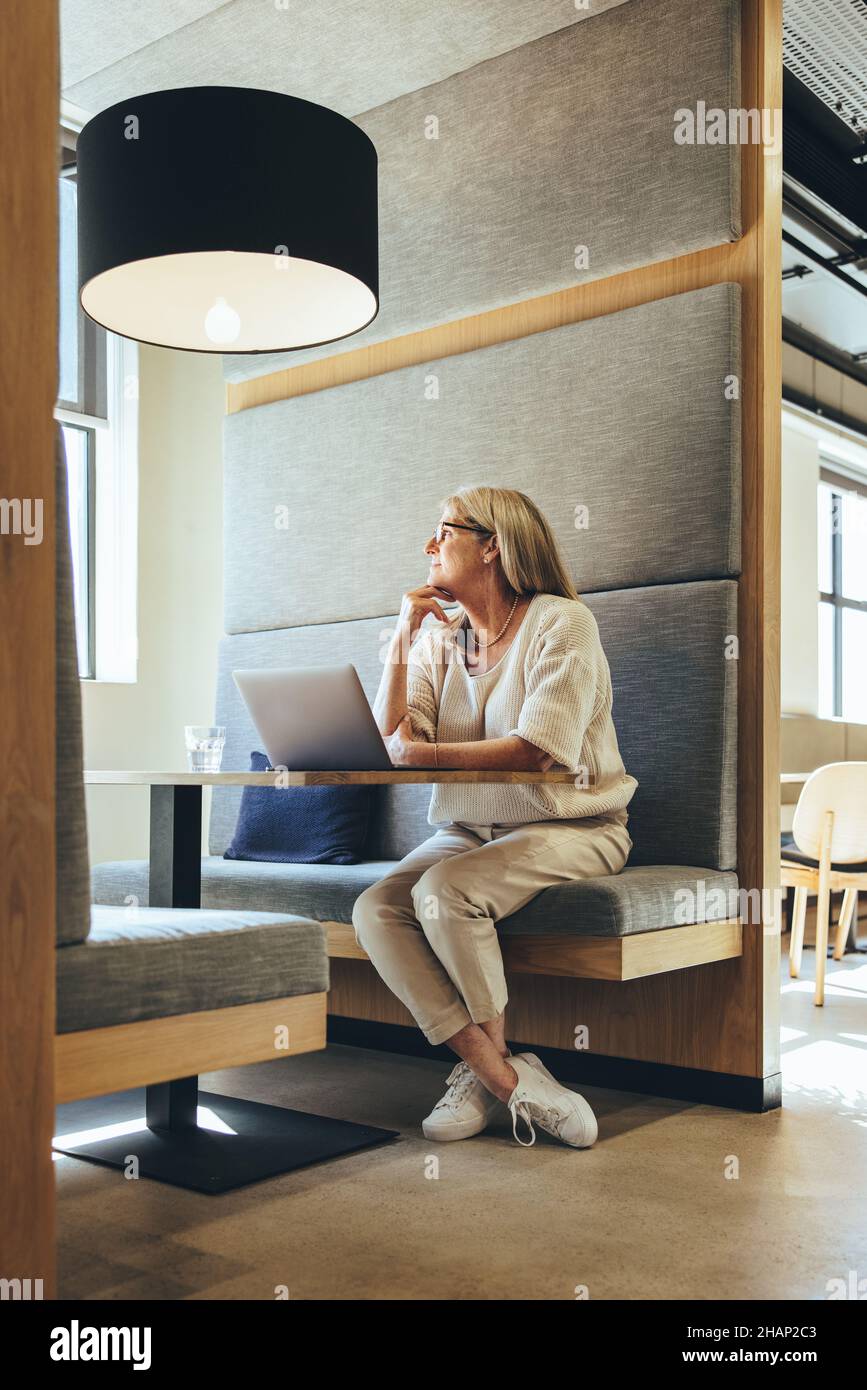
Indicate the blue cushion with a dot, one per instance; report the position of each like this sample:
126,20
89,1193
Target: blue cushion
300,825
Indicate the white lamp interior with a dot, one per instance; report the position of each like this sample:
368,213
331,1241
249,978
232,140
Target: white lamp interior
268,302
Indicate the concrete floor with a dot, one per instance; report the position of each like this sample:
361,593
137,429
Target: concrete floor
648,1213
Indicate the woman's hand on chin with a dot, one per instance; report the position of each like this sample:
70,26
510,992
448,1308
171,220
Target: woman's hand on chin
417,603
402,748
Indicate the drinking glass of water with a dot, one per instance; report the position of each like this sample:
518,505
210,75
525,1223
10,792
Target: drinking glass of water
204,746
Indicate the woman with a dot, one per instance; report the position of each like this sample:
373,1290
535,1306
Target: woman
517,679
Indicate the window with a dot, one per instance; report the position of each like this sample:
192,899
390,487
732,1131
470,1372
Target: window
82,343
842,517
80,480
97,407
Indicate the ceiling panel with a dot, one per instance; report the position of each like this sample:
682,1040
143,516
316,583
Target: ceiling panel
96,33
824,305
820,301
828,310
825,46
343,54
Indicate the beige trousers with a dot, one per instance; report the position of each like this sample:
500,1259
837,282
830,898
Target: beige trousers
429,925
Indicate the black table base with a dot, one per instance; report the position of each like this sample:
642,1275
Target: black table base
252,1141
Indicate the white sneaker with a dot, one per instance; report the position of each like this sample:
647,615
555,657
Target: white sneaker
539,1096
466,1108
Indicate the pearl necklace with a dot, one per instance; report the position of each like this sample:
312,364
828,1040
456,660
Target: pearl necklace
501,631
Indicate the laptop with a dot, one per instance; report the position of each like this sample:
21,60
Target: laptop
314,718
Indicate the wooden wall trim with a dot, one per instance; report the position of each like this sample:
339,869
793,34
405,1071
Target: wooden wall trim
593,300
28,387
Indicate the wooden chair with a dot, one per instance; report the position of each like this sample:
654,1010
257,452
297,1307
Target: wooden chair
829,854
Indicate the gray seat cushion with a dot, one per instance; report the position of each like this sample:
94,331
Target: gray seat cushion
325,892
150,962
646,898
636,900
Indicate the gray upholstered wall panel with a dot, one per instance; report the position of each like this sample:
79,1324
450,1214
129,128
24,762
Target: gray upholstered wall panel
385,49
566,141
625,415
675,711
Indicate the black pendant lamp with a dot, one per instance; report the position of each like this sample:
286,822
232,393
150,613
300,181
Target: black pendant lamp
227,219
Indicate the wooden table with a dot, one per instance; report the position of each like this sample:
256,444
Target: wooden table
176,810
395,776
177,1147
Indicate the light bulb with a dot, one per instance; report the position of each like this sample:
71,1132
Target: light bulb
222,323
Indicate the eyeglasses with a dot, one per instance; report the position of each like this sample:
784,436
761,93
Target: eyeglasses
457,526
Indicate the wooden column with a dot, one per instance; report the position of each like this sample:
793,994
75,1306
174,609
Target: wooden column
28,386
759,586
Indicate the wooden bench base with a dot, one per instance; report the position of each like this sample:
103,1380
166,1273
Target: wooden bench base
595,957
103,1060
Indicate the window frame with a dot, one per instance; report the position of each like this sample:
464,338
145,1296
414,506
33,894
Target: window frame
92,351
89,524
831,476
112,483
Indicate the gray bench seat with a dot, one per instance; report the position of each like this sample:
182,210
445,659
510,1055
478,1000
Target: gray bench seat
638,899
142,963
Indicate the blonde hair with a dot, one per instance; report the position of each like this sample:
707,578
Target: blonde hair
529,553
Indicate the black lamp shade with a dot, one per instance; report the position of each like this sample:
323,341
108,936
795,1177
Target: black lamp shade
227,219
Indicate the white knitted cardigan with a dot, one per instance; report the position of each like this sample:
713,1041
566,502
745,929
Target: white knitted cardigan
552,686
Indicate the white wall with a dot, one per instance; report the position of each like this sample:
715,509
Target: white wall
180,600
799,630
807,741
